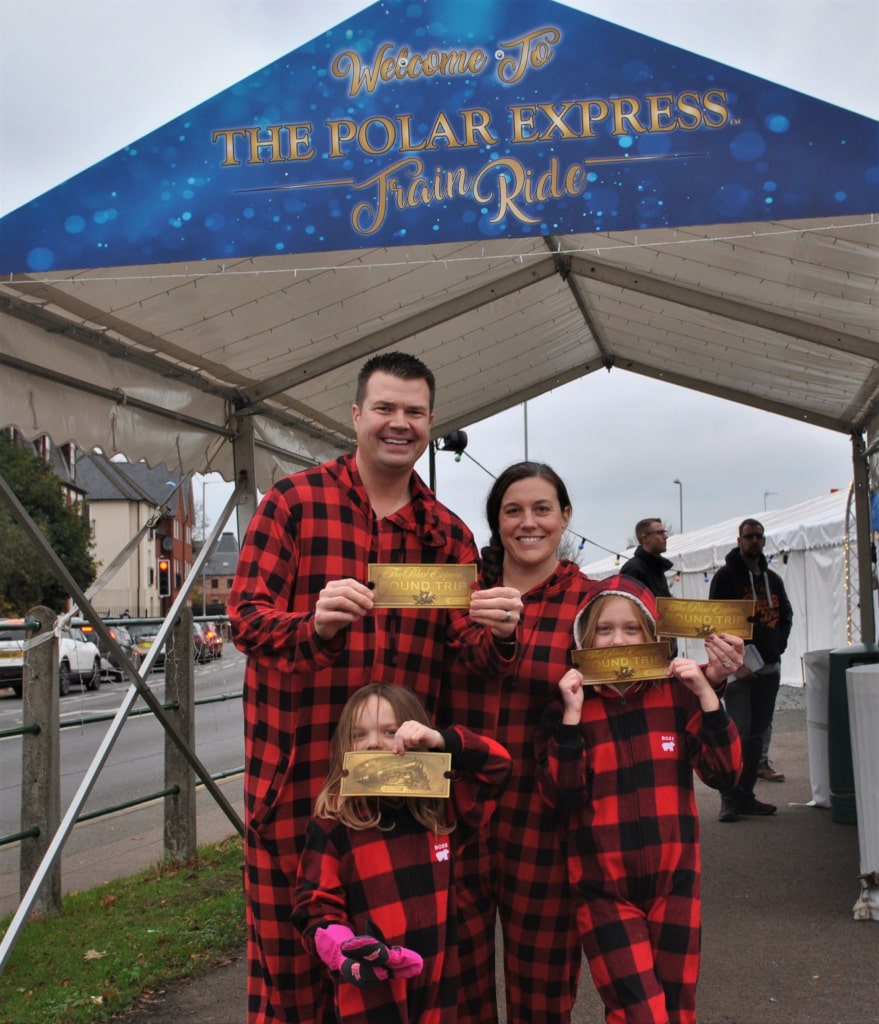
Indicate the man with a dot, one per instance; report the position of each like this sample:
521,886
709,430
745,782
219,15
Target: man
301,610
647,564
750,696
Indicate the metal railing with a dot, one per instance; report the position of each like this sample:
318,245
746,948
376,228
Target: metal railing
41,774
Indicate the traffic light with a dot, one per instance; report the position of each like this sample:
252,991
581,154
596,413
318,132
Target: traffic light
164,577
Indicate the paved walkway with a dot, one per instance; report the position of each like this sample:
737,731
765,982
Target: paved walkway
780,945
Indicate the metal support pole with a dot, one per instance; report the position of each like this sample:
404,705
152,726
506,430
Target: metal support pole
866,550
41,758
180,809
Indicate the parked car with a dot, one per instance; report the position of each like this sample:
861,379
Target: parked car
12,637
202,645
125,640
214,637
79,660
143,636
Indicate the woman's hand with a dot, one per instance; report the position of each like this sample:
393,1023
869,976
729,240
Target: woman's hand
499,608
726,654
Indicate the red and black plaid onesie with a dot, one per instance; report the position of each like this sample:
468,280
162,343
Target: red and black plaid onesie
312,527
517,868
623,781
399,876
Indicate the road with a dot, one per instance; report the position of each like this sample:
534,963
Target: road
135,766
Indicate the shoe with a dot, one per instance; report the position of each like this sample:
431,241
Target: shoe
728,811
766,772
754,806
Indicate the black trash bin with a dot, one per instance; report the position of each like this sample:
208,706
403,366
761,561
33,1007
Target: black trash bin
839,740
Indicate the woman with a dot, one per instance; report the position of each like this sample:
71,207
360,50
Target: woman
516,870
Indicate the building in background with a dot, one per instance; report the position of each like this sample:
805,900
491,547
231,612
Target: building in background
121,498
217,574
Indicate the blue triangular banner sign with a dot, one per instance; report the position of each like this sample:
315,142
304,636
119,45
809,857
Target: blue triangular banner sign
450,121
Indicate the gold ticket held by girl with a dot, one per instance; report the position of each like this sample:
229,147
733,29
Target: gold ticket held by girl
383,773
627,664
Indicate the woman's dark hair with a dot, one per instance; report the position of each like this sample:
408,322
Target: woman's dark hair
493,553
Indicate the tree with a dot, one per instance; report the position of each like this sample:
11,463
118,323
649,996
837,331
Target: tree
25,579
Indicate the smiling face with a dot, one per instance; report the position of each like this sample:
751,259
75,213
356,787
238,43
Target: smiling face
618,623
392,424
375,725
530,525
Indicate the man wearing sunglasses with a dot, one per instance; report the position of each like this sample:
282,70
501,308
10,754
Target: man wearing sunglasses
750,697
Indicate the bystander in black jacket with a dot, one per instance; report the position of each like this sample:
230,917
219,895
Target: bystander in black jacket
650,570
773,614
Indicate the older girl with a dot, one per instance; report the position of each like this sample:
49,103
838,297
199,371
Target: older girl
617,761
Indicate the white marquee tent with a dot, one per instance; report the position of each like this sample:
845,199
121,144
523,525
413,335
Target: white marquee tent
811,546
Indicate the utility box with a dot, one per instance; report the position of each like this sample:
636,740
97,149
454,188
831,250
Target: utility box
839,743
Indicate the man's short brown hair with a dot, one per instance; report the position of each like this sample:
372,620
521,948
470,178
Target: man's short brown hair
643,526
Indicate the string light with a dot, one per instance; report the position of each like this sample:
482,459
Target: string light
595,250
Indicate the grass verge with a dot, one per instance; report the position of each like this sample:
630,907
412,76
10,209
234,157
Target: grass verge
111,944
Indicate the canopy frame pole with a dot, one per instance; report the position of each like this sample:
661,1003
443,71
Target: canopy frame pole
865,546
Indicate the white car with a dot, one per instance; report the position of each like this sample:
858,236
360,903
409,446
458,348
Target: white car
78,659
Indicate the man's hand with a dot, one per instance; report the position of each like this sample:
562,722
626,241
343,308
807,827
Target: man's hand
340,603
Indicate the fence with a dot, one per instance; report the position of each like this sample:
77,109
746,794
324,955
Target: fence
41,769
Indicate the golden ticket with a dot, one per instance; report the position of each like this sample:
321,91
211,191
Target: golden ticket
381,773
407,585
627,664
685,618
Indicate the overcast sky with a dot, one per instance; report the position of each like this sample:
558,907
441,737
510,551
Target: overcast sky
80,80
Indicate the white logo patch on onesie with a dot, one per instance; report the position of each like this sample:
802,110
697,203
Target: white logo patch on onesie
669,744
441,849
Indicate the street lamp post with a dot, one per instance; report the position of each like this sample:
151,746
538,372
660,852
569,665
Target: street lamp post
204,538
680,504
765,496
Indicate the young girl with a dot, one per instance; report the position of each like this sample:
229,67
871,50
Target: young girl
617,760
374,897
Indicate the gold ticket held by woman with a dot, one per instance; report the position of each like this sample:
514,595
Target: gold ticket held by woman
682,617
410,585
383,773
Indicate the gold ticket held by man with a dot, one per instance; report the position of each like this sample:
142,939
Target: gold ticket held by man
382,773
627,664
680,617
409,585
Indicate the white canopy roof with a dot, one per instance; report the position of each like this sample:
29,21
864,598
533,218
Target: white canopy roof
154,361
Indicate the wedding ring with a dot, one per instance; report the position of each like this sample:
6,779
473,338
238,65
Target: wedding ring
507,615
727,663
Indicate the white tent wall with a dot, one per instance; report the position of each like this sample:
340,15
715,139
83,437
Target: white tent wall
812,548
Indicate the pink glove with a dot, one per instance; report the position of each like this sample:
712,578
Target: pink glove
404,963
358,959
